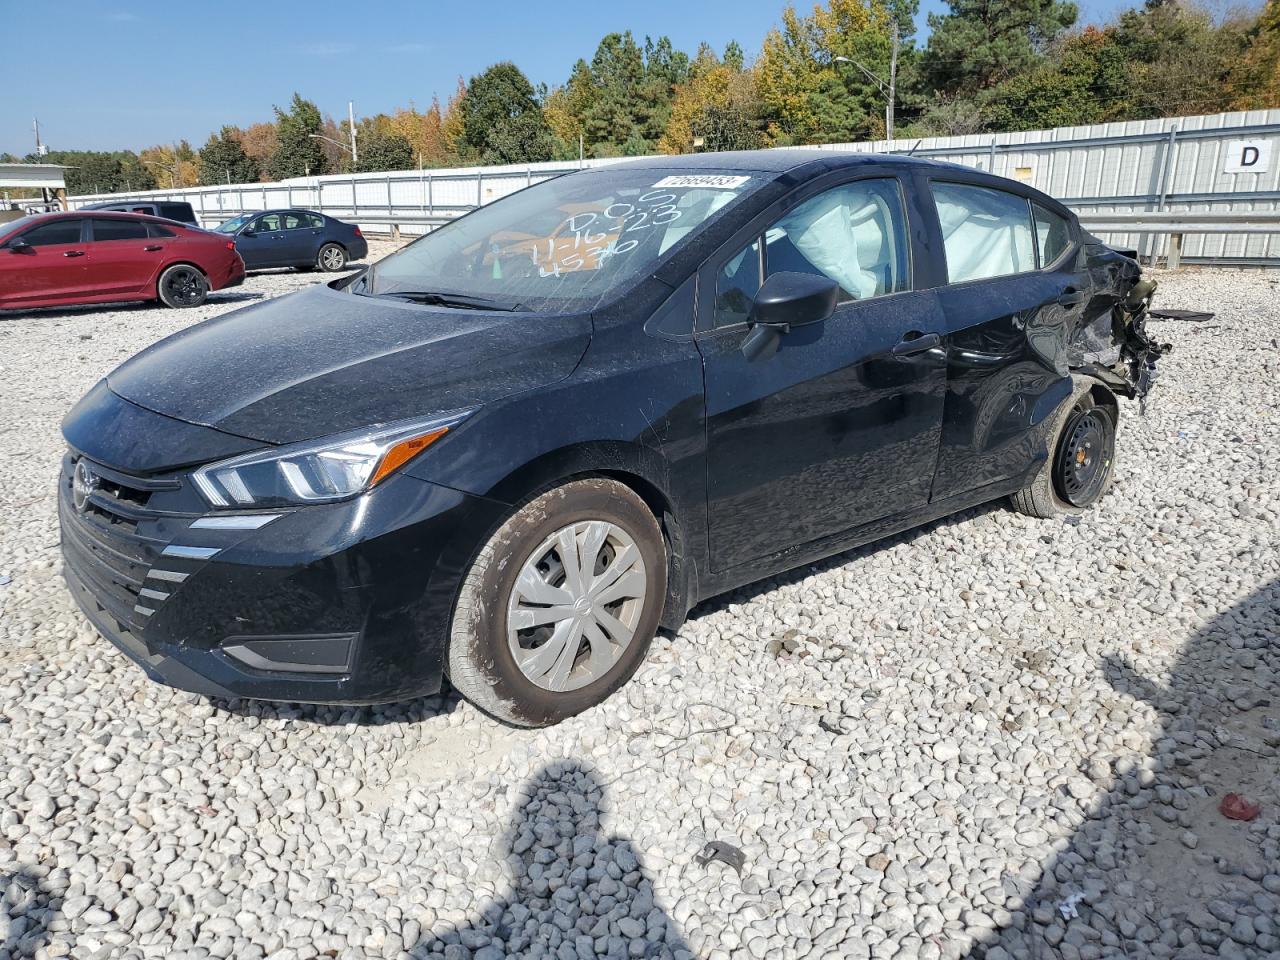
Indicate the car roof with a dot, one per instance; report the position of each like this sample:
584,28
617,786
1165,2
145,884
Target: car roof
102,204
258,213
770,161
107,215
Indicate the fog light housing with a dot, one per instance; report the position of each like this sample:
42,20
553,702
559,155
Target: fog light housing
310,654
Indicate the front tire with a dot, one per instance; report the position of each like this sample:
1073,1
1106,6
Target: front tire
1081,462
332,258
182,285
561,604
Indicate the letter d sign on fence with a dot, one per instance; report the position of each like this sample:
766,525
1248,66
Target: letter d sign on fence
1247,156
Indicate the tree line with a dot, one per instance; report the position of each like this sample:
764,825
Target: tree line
819,77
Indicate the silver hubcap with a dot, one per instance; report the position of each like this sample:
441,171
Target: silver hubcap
332,259
576,605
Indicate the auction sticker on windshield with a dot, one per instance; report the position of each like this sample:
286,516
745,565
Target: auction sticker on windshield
723,181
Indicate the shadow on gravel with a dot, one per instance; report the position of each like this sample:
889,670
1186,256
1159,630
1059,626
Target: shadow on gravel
26,912
408,711
1156,870
575,892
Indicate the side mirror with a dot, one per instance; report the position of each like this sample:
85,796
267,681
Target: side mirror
787,300
247,232
18,245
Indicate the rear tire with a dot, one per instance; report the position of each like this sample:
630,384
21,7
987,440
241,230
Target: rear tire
332,258
182,285
561,604
1081,463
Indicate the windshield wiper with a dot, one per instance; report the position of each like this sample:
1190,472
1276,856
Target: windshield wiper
440,298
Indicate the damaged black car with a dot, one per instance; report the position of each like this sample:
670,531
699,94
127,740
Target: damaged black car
509,453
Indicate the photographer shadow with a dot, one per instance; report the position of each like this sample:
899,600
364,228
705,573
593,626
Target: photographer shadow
574,891
1156,870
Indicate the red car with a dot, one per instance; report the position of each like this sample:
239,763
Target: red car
54,259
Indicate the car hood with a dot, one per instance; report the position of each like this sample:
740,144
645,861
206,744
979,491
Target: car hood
320,362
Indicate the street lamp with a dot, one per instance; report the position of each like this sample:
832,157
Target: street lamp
351,123
886,88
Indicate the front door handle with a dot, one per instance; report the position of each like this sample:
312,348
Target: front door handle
1070,297
152,247
916,342
73,253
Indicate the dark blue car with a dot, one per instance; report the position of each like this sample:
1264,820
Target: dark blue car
295,238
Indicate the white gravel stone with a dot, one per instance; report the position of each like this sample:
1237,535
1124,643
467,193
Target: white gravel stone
928,747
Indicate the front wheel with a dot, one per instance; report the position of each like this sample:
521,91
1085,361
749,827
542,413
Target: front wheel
331,258
1081,461
182,285
559,608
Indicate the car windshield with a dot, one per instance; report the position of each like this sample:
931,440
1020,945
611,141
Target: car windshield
234,224
566,244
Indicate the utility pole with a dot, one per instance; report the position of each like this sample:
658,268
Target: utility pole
35,123
893,83
351,122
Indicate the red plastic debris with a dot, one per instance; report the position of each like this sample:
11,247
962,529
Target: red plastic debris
1236,807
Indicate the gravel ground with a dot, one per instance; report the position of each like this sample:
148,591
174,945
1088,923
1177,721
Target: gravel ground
993,736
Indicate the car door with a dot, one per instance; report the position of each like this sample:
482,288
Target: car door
1016,286
301,239
260,241
840,426
121,257
44,263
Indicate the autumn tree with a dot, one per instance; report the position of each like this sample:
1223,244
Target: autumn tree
1254,81
223,160
172,165
259,142
806,94
717,105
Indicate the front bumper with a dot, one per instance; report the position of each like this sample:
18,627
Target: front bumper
333,603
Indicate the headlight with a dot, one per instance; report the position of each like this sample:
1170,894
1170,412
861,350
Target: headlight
319,470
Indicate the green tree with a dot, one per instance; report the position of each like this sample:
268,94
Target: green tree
983,42
1255,79
223,160
297,154
384,151
502,121
92,171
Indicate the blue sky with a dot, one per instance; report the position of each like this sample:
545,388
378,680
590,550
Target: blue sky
130,73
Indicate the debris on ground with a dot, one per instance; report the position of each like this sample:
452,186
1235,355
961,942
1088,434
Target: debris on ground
1236,807
723,852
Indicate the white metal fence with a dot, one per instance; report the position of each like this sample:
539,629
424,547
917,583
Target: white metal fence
1219,163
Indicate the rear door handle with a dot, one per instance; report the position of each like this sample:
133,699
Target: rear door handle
73,253
152,247
916,342
1070,297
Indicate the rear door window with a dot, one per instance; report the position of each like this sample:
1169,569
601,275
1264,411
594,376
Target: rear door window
1053,234
104,229
268,223
985,232
159,230
315,220
294,221
176,211
53,234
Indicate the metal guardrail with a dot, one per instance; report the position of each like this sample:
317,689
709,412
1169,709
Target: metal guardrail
1177,225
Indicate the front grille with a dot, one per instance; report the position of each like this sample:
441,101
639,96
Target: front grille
105,539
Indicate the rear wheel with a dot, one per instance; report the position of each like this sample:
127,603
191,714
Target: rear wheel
560,606
332,258
1081,461
182,285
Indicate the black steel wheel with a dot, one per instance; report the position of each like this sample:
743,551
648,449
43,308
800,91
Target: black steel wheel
1086,451
182,285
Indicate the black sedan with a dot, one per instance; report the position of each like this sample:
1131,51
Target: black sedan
510,452
295,238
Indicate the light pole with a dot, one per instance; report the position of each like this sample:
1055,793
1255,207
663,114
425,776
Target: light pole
339,144
888,89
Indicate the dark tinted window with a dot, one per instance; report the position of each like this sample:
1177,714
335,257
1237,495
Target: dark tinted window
118,230
294,221
315,220
1053,234
157,230
177,211
48,234
268,223
737,286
